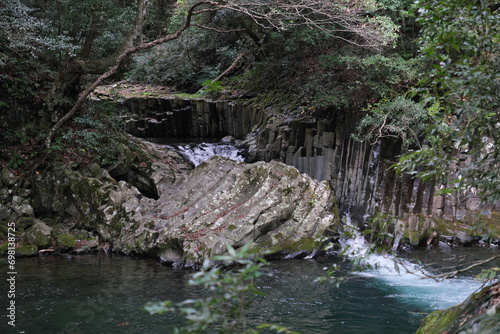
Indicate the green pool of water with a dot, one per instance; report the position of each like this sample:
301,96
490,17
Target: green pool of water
105,294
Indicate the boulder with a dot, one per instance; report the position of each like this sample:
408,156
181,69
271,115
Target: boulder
39,234
21,206
26,250
65,241
7,177
224,202
196,214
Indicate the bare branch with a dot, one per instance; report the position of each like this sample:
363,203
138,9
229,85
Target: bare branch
127,50
215,29
440,277
458,270
231,67
331,16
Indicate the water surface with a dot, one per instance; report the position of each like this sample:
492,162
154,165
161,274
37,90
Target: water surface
105,294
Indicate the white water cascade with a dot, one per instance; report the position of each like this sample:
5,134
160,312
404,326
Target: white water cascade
197,153
403,279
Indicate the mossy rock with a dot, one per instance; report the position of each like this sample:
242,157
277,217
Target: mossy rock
3,248
279,243
39,234
438,321
478,314
66,241
60,229
26,250
3,231
24,223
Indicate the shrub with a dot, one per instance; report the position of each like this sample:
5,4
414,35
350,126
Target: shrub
400,118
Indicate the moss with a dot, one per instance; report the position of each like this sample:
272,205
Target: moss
81,236
477,314
24,223
171,244
26,250
60,229
491,225
232,227
280,243
473,224
287,191
3,248
118,222
292,173
40,239
439,321
66,241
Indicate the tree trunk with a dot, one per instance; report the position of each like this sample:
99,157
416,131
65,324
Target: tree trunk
117,61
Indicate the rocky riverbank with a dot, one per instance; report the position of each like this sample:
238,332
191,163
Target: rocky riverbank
163,208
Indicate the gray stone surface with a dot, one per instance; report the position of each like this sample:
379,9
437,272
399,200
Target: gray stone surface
223,202
196,215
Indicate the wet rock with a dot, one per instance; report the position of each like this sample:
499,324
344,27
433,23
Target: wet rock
228,139
84,247
463,238
480,313
4,193
26,250
66,241
5,212
21,206
23,223
197,214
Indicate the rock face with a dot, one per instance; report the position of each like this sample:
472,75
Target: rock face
193,215
480,313
223,202
358,173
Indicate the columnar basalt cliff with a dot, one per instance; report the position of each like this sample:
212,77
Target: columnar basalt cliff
359,173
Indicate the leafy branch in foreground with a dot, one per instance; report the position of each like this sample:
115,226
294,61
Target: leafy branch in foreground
229,285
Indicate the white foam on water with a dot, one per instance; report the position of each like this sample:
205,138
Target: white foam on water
197,153
406,280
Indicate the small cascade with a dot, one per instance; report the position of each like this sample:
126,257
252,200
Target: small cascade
197,153
403,279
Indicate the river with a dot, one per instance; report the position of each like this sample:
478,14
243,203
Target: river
101,293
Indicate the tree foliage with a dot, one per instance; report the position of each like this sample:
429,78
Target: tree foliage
351,17
400,119
27,35
461,39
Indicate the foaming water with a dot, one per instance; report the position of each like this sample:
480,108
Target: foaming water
404,279
197,153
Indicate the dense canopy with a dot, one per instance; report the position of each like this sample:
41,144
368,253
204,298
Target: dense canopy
387,59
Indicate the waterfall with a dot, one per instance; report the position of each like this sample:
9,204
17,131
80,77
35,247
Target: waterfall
405,280
197,153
